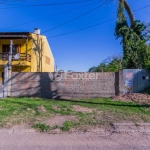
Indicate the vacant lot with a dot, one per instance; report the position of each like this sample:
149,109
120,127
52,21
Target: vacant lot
47,114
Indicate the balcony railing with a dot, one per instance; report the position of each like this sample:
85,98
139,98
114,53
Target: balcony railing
23,56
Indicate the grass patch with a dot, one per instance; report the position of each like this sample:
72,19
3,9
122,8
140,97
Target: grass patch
104,111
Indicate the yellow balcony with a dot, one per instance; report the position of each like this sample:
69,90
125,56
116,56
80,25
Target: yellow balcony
24,60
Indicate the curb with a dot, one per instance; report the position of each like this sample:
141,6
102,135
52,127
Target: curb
131,127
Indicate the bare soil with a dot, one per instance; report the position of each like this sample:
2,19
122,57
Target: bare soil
56,108
133,97
82,109
59,120
41,109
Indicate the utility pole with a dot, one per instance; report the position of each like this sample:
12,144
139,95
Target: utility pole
10,56
10,68
56,70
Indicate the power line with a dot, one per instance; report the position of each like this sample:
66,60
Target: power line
113,12
5,2
51,15
56,14
82,28
75,18
50,4
141,8
94,24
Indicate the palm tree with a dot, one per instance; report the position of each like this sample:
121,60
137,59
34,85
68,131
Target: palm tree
129,11
133,39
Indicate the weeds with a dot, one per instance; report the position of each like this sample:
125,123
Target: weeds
56,127
42,127
67,126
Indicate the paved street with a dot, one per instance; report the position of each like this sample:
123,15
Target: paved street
74,141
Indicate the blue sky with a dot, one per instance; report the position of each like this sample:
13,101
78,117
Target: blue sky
80,50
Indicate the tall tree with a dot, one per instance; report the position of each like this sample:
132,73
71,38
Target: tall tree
129,11
133,41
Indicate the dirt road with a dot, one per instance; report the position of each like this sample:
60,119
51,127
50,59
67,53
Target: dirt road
74,141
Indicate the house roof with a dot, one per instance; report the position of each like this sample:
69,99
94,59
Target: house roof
18,33
14,34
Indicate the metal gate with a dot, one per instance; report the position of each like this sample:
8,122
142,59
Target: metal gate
135,80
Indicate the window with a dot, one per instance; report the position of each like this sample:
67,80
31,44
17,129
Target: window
16,48
143,77
47,60
6,49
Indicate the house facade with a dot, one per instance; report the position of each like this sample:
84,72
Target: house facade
31,52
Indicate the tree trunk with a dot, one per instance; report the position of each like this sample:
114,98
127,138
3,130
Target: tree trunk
129,11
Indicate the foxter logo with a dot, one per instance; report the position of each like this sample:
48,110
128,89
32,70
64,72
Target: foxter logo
56,76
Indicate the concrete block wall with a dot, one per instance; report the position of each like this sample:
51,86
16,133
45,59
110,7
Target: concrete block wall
25,84
65,85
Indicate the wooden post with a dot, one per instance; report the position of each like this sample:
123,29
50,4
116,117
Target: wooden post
27,49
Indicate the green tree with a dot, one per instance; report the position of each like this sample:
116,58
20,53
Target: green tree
136,52
147,33
111,64
92,69
133,39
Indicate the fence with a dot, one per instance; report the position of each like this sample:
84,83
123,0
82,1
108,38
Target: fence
64,85
23,56
77,85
